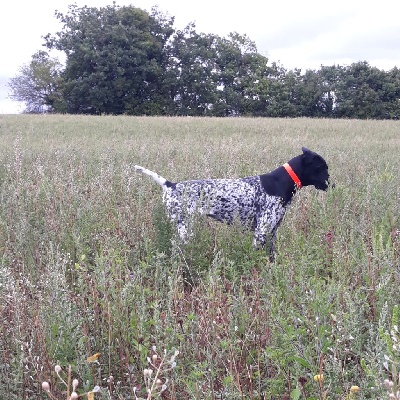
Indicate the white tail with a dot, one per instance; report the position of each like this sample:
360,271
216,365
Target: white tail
159,179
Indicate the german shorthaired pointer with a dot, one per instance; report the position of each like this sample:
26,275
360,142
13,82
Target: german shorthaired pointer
257,202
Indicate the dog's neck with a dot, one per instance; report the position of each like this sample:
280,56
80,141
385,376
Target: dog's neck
293,175
281,182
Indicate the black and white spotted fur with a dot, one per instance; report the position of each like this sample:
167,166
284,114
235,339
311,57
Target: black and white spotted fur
257,202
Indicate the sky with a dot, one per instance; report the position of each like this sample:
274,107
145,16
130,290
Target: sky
297,34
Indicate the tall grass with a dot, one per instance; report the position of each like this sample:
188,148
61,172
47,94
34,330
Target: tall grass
90,264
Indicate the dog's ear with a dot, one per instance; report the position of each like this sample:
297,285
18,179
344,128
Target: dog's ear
308,155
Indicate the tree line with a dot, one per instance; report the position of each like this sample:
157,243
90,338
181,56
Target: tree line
125,60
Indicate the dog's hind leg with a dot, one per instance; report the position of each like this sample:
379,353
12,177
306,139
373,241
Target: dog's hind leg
182,231
174,212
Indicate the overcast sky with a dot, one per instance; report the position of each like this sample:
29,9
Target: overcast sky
298,34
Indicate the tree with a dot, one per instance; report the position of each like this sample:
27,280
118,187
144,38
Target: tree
192,63
329,77
392,89
276,92
115,59
364,92
311,101
240,68
39,84
215,76
123,60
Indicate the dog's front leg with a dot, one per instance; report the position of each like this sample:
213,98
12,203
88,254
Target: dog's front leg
260,238
272,244
265,235
267,242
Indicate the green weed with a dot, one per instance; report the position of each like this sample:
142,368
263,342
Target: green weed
90,263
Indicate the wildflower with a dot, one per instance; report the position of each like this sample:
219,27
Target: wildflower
74,396
158,383
46,386
147,372
389,384
354,389
172,360
319,378
93,358
154,357
74,384
57,368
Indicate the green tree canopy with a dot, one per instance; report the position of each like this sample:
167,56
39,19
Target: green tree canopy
367,92
240,69
38,84
192,64
124,60
115,59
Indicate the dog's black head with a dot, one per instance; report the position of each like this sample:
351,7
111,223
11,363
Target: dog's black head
315,170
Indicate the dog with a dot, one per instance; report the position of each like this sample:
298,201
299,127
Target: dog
258,202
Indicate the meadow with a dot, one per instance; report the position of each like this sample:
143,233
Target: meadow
94,286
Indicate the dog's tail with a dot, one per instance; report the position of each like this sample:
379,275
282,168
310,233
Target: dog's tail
164,183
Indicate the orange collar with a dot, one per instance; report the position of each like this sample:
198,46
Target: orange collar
293,175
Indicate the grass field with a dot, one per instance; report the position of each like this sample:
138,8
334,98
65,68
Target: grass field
89,263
